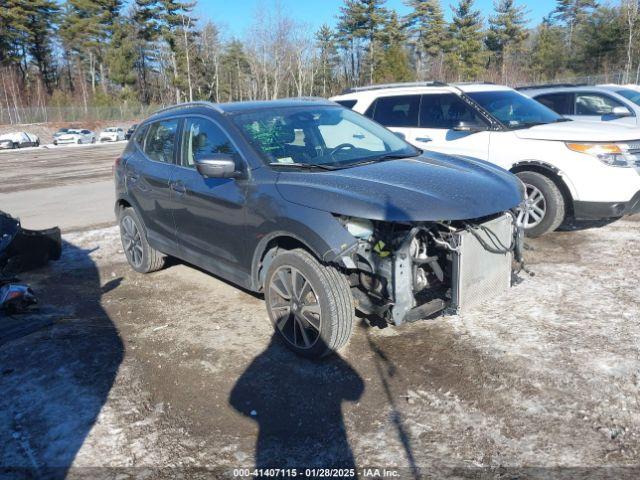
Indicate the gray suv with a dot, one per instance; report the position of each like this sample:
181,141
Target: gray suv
600,103
320,209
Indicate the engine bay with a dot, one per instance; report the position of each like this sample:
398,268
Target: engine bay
409,271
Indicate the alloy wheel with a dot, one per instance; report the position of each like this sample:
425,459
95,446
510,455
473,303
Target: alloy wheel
534,208
295,307
132,241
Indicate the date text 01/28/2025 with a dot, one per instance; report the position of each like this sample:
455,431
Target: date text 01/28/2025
315,472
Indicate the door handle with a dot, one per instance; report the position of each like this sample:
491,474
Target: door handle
178,187
424,139
132,177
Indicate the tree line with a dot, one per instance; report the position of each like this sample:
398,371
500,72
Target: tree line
107,52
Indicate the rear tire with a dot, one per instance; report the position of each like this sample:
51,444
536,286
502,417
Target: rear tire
141,256
309,303
552,203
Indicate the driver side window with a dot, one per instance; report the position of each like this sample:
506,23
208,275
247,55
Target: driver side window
202,139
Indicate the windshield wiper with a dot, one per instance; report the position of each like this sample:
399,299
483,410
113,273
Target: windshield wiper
382,158
307,166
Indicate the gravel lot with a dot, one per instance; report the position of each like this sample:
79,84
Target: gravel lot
178,370
68,186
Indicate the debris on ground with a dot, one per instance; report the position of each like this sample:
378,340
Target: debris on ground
22,249
15,297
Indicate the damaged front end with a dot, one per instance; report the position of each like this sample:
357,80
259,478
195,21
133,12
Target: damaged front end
403,272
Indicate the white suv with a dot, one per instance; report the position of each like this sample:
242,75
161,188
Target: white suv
572,170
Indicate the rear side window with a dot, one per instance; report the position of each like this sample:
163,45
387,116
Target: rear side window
347,103
446,111
561,103
160,141
595,104
202,139
398,111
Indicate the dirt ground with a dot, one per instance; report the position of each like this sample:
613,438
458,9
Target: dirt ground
122,375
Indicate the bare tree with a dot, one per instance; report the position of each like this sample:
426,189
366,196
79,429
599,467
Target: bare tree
631,14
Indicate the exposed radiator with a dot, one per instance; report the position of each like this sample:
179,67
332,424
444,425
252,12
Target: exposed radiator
478,274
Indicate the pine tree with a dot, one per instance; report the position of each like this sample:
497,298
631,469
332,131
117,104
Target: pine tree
548,53
42,17
507,32
86,29
328,58
597,44
428,34
393,64
360,21
465,56
573,13
13,27
146,20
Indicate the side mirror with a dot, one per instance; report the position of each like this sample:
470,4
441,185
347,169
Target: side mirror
471,127
621,112
220,165
400,135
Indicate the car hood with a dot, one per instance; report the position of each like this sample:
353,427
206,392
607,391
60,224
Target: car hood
427,188
579,131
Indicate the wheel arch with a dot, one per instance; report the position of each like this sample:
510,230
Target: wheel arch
266,250
553,173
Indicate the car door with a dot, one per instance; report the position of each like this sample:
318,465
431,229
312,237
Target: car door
440,116
209,213
147,176
598,107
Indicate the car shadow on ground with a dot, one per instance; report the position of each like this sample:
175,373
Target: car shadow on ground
297,404
57,367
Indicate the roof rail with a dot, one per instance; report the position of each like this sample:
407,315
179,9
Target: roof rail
551,85
381,86
187,105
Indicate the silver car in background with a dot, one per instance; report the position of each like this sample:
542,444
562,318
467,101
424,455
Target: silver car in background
598,103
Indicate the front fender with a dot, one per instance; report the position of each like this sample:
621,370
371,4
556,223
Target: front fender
320,232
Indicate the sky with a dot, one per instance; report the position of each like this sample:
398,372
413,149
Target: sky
237,15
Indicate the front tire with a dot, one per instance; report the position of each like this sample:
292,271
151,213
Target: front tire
544,209
141,256
309,304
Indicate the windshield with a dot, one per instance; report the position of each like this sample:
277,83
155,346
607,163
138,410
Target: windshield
632,95
515,110
322,136
111,129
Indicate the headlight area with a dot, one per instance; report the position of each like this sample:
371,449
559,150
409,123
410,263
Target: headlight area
409,271
613,154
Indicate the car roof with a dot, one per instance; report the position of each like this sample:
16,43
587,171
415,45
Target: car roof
531,91
374,91
240,107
